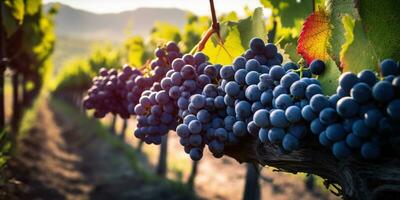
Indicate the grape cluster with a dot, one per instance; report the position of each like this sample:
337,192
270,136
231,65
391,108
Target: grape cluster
109,90
363,115
159,67
164,106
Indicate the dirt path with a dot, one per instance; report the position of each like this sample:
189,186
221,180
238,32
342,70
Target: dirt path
59,160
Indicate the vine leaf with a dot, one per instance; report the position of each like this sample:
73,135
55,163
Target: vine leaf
329,79
235,38
357,53
337,9
289,11
380,20
32,6
253,26
226,52
12,15
313,42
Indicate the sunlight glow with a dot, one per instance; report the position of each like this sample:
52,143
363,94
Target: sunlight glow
200,7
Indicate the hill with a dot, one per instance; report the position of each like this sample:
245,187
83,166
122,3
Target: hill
76,23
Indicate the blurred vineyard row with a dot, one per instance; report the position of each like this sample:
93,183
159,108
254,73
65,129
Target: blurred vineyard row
27,42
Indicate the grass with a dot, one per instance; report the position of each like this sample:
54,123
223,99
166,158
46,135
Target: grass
91,125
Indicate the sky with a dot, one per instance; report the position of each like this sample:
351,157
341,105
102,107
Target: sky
200,7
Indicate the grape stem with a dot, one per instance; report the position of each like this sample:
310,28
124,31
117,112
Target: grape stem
313,5
213,29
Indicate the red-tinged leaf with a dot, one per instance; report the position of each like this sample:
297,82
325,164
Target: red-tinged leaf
313,42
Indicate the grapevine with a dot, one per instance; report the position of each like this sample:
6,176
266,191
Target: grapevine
262,102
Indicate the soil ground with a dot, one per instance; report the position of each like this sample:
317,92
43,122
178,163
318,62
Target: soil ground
58,159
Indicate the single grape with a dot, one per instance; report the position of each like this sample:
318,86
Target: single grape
243,108
293,114
288,79
313,89
239,128
252,128
183,130
256,106
275,135
347,80
328,116
290,65
198,101
252,65
221,134
335,132
239,63
340,150
232,88
353,141
261,118
270,50
372,118
368,77
252,78
361,92
319,102
298,89
317,127
333,100
383,91
307,113
195,126
227,72
204,116
276,72
324,140
370,151
240,76
360,129
257,45
393,109
389,67
317,67
297,130
196,154
290,143
252,93
278,90
263,135
347,107
266,97
278,119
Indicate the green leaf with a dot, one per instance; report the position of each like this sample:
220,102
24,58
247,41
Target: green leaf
329,79
357,53
12,15
5,148
236,37
289,10
135,50
3,161
225,54
16,7
32,6
252,26
380,20
337,9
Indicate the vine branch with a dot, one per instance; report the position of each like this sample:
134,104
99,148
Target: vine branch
213,29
